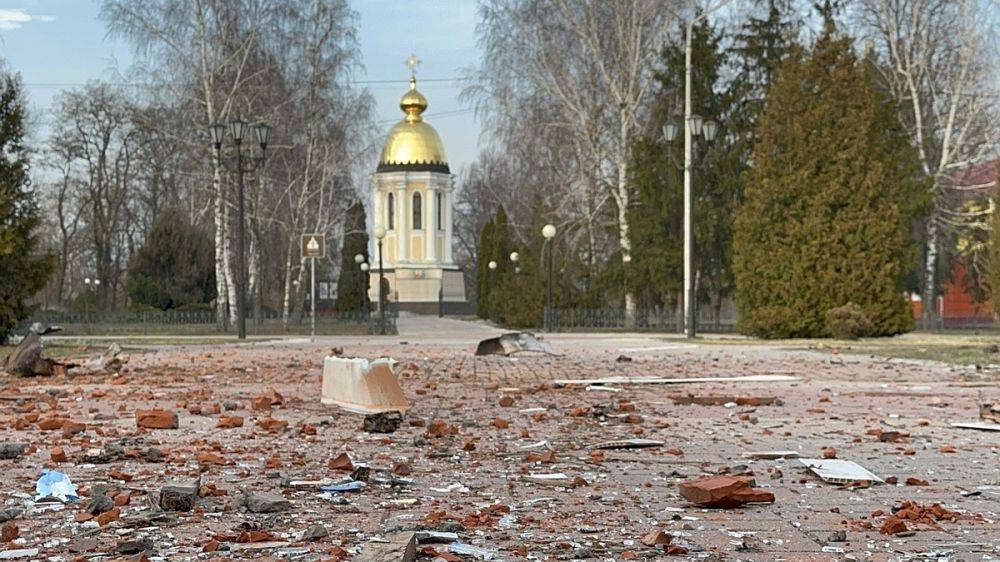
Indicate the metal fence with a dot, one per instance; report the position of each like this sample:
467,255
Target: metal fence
203,322
711,321
646,319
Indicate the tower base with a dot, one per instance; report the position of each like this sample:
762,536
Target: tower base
420,288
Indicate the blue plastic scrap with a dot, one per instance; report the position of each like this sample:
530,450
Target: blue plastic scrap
54,484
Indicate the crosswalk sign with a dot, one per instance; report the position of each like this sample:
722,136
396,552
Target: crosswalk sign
313,246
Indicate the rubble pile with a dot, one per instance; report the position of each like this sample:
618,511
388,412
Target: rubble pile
230,452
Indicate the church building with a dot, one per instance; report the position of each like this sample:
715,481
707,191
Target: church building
412,196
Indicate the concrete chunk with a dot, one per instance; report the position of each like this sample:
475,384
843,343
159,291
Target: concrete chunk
401,547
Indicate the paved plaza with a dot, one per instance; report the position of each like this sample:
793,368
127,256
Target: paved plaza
496,452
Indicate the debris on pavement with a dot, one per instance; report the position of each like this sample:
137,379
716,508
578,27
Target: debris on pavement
55,485
990,413
179,496
26,359
156,419
111,361
469,550
753,401
494,457
350,486
724,491
977,425
382,422
684,380
909,516
362,387
513,342
10,451
397,547
18,553
771,455
838,471
628,444
263,502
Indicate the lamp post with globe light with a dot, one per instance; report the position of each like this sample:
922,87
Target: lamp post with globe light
493,281
238,129
694,126
549,232
379,233
514,258
360,259
364,293
86,310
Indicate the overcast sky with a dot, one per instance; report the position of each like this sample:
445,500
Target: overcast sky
57,44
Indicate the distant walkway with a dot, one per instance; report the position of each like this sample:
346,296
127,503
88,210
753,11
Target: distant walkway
443,330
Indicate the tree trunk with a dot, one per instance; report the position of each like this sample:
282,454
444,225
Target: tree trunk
286,301
623,202
221,271
930,273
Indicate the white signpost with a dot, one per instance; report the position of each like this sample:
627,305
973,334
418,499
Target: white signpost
313,246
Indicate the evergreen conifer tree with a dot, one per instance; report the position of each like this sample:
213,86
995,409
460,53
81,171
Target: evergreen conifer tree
352,285
175,266
23,267
829,202
519,297
483,254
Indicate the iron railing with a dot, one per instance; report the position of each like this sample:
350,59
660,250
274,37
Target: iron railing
645,319
203,322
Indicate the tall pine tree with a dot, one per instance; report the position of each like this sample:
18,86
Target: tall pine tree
829,201
484,251
23,267
352,286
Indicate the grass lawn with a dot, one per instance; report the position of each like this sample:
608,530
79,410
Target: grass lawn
958,348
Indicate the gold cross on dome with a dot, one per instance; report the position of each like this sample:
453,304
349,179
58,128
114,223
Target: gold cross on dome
413,62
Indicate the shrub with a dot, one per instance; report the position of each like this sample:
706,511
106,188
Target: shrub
175,266
848,322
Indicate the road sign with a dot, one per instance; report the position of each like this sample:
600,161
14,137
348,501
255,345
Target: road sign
313,246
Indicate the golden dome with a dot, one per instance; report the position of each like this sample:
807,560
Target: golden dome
411,143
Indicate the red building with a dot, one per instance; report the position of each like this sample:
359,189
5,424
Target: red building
956,305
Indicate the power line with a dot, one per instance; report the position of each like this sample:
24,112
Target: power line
149,85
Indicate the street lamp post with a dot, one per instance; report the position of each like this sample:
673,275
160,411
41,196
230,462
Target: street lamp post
694,126
360,259
86,302
515,257
493,283
629,317
238,129
379,233
365,283
549,232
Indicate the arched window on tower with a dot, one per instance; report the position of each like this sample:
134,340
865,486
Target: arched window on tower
390,212
417,211
439,213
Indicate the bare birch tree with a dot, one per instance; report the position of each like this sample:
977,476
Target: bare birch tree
593,60
939,67
198,51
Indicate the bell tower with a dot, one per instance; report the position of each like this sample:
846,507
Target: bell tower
412,200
